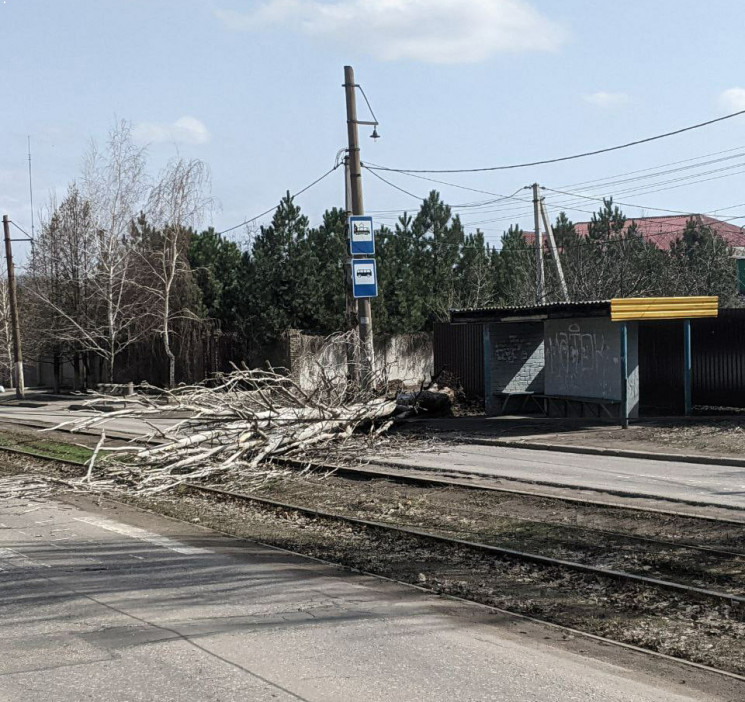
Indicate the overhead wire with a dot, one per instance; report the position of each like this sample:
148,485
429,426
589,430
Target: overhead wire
653,235
21,229
692,161
572,157
571,203
294,195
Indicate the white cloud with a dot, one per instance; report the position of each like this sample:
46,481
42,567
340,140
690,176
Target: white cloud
733,99
432,31
607,100
185,130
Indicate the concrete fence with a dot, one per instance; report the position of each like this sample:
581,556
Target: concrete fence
404,360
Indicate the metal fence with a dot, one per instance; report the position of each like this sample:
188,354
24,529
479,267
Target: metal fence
459,350
719,359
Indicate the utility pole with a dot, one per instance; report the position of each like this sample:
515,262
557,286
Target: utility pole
539,279
364,312
554,250
17,353
350,312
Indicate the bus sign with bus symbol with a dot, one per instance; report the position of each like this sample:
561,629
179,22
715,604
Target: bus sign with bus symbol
364,277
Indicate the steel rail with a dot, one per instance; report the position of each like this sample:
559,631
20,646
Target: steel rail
427,478
415,480
476,546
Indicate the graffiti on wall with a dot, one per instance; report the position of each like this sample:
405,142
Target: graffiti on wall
510,350
574,352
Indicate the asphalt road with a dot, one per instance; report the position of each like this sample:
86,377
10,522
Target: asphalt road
709,483
109,603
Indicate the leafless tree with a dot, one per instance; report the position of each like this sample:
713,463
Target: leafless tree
115,184
175,206
6,340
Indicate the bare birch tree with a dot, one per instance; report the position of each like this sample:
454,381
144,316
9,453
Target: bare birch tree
115,184
175,206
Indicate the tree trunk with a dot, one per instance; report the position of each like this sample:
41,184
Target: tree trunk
171,359
57,372
76,372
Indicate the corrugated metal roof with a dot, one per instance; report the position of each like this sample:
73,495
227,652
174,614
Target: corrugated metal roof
558,309
522,308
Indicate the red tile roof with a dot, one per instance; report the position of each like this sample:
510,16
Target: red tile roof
666,229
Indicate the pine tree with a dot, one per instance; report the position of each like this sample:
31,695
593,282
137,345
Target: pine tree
274,285
475,279
516,269
401,303
437,248
702,264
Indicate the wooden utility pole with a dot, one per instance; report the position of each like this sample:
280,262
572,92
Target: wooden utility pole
540,295
350,306
364,312
15,326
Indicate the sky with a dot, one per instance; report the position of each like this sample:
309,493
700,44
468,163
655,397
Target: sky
254,88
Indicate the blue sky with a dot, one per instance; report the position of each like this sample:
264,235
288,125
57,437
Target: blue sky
254,89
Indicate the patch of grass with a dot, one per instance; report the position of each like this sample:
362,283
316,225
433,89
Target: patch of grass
45,447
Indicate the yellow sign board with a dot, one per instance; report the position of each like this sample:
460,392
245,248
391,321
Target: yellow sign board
624,309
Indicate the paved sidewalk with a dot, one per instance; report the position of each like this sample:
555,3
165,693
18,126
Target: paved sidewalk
114,604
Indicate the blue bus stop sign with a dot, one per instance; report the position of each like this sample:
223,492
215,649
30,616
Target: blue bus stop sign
364,277
361,236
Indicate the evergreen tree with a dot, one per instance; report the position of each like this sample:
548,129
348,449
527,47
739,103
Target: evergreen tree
515,269
401,303
219,269
274,287
702,264
437,248
476,283
325,276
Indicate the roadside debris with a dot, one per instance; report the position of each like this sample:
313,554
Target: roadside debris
434,401
236,424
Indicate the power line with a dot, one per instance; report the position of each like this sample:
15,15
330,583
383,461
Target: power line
294,195
568,158
615,202
393,185
659,166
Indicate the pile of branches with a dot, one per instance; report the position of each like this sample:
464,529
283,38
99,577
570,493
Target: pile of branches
235,424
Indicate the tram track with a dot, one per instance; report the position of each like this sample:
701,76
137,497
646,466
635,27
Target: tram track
518,582
476,546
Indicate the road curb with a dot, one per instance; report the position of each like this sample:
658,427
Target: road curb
619,453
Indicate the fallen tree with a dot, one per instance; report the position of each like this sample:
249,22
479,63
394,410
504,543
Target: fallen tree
237,423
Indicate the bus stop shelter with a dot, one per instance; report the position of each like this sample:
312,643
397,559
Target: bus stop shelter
578,359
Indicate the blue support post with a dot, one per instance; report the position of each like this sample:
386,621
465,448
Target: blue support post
487,366
624,375
687,367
